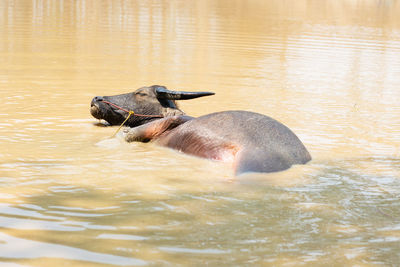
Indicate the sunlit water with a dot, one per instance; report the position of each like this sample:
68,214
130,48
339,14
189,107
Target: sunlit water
70,194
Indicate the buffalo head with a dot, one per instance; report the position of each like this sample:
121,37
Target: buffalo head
152,100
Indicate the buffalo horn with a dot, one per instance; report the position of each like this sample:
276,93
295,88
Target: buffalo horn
164,93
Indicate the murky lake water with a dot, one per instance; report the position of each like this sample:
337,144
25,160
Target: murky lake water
69,194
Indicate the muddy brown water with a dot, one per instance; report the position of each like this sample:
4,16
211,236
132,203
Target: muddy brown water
69,194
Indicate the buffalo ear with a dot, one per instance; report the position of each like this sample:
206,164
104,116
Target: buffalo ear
163,93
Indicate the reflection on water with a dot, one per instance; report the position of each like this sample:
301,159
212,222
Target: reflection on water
327,69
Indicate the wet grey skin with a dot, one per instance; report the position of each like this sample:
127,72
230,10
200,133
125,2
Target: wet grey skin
250,141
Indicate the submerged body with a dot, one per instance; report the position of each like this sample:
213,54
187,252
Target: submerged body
252,142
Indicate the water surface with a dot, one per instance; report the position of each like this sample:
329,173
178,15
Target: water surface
70,194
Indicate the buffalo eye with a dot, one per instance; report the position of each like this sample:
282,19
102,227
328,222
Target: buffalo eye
141,94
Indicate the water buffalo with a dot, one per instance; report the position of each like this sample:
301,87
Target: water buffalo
252,142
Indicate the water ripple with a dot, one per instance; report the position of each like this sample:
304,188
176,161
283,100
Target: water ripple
19,248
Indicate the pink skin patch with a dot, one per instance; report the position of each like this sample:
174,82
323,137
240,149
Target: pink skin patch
225,154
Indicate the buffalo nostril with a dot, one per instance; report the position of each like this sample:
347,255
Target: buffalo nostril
95,100
98,98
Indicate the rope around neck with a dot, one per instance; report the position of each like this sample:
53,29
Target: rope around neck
130,113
